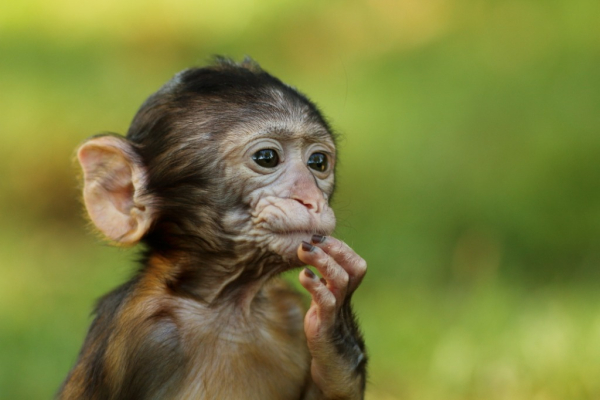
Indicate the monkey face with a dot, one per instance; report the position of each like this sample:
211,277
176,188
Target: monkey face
288,175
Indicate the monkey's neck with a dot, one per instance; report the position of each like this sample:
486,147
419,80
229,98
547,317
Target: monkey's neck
213,281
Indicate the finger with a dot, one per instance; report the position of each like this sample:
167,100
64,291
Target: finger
321,296
335,276
353,264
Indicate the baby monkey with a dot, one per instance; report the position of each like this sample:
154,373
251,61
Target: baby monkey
225,177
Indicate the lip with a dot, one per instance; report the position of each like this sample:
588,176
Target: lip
301,232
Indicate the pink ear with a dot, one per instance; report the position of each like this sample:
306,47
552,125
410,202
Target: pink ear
113,188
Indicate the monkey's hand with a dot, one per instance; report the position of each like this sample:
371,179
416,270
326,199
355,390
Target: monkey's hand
334,340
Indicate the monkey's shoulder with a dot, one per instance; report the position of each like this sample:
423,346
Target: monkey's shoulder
132,350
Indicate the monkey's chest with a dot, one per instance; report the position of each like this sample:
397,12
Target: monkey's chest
269,362
263,375
260,370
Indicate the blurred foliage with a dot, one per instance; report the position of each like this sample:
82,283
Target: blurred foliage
468,176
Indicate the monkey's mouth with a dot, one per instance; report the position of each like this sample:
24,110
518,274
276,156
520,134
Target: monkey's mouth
299,228
297,234
300,232
284,230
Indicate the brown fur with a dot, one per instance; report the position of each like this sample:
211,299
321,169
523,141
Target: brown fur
206,316
267,353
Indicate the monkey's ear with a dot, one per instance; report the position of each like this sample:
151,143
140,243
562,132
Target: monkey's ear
114,186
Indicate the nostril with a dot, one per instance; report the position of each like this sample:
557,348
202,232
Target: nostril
308,205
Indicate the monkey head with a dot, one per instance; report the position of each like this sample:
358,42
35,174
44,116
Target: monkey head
222,162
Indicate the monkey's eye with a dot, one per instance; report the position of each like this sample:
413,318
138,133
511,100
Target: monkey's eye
267,158
318,162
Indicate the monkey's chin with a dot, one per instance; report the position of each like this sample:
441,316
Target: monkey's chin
286,245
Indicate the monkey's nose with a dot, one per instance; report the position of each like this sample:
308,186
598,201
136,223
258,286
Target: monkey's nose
306,203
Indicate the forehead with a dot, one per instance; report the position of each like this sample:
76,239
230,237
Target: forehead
240,138
286,130
267,111
280,116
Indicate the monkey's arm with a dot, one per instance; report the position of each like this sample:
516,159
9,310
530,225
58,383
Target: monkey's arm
132,351
338,367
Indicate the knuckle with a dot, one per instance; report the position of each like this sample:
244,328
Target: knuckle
328,301
345,257
325,260
343,279
329,265
361,266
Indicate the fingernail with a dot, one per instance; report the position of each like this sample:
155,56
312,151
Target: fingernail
317,239
309,273
307,246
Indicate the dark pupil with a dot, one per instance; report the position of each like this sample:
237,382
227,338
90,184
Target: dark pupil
318,162
267,158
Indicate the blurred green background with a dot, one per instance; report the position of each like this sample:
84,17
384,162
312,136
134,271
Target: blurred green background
469,175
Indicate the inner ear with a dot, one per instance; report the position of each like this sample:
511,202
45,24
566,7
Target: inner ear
114,188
